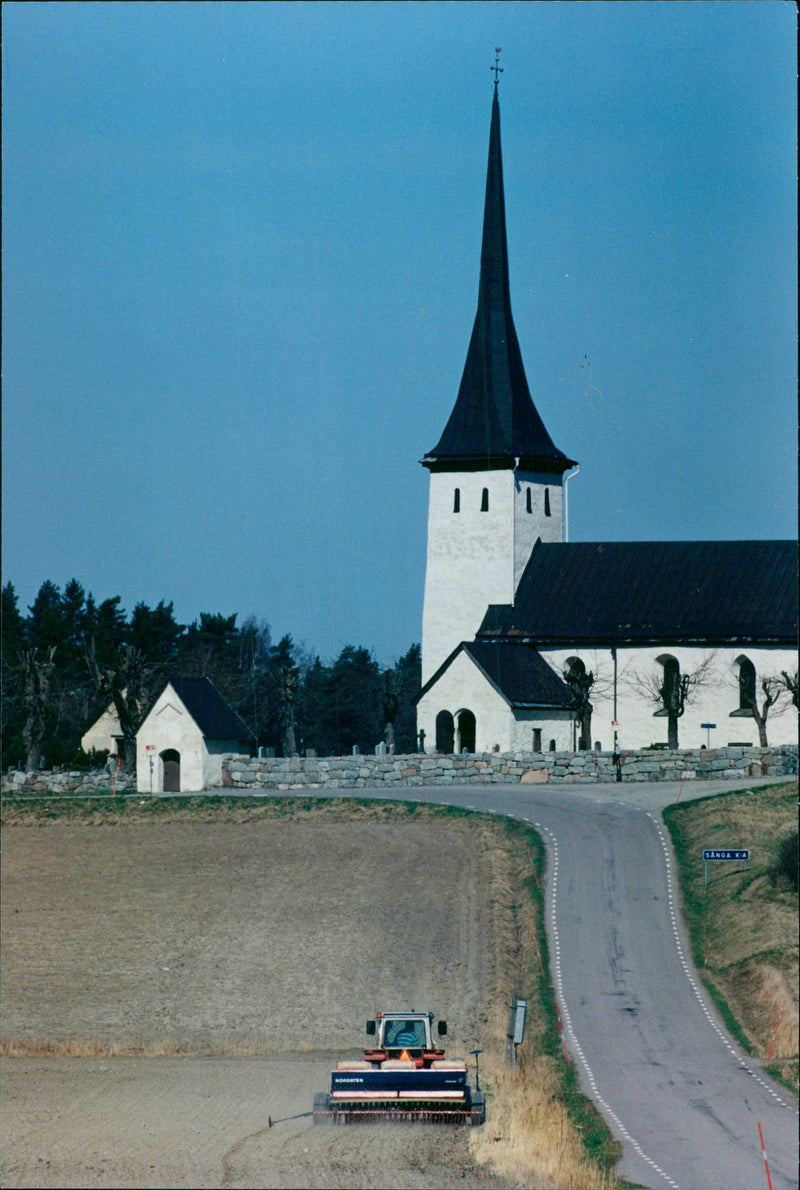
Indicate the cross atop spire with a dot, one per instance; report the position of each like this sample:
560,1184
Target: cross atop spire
497,68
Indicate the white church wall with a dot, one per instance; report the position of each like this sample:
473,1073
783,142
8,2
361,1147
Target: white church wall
713,701
470,560
555,730
476,555
538,513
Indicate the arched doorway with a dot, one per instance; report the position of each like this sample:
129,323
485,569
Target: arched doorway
445,732
171,761
466,731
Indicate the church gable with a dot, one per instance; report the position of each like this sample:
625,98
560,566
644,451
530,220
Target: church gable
518,673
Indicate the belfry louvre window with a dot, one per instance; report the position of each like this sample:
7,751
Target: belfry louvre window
528,500
547,502
485,500
457,500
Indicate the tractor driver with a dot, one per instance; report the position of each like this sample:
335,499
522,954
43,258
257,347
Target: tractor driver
407,1034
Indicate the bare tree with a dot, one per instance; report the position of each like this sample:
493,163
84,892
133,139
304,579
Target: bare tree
671,690
390,704
288,676
37,669
790,682
772,689
580,681
584,685
122,684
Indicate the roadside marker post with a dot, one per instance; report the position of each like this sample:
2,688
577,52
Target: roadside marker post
775,1032
712,853
764,1155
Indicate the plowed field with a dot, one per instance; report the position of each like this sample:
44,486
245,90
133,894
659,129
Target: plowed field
218,969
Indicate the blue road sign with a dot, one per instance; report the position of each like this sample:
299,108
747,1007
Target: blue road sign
709,853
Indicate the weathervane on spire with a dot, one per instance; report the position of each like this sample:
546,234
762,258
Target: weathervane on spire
497,68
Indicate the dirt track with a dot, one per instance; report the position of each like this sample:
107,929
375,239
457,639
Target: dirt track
276,939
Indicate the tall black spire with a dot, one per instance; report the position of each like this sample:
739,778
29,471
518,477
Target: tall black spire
494,421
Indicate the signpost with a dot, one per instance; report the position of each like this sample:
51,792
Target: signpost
708,728
150,750
617,761
712,853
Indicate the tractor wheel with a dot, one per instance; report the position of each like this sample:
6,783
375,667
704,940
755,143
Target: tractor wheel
322,1113
478,1108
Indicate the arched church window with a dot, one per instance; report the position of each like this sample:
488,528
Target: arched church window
445,732
547,502
485,500
466,731
457,500
528,500
747,683
670,687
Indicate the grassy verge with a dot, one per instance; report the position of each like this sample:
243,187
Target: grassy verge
743,926
28,811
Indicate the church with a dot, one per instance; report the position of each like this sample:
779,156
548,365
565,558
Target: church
534,643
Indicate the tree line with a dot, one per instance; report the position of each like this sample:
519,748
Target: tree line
71,657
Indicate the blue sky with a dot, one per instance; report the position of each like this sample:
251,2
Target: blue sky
241,249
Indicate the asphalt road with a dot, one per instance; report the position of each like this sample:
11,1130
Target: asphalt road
679,1094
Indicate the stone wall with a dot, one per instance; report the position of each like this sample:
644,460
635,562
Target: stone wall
359,772
51,781
384,772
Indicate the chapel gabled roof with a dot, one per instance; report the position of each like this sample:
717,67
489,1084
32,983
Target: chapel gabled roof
518,673
213,714
652,592
494,420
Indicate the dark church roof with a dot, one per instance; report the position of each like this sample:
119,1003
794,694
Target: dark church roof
517,672
494,420
214,716
709,592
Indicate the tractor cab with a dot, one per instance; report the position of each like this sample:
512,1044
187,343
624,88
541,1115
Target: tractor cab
404,1035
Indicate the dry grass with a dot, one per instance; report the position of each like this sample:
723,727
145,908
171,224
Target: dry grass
531,1135
95,1047
744,926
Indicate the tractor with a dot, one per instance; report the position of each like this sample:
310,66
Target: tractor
404,1077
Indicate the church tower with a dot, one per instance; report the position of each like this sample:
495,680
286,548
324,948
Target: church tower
496,479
